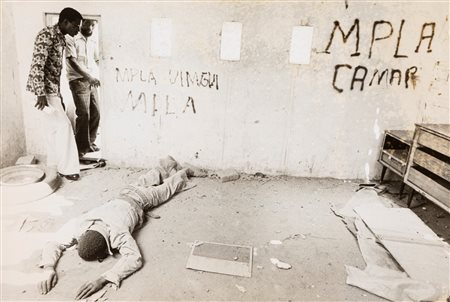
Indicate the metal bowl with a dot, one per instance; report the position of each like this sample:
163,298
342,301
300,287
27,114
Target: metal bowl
21,175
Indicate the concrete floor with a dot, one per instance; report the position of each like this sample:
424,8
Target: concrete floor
251,211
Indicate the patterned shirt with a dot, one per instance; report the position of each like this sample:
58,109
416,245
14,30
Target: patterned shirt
46,66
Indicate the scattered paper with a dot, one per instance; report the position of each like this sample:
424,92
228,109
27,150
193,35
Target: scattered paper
280,264
283,265
382,275
275,242
221,258
241,288
391,284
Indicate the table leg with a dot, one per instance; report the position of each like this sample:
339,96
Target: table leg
402,186
383,172
410,197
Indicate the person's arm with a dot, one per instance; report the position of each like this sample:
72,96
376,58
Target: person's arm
91,287
71,56
130,262
37,75
51,253
81,70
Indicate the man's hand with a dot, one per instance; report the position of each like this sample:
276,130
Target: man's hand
51,278
41,102
94,81
90,287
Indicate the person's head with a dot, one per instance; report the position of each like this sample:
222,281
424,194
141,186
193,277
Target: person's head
87,27
69,21
92,245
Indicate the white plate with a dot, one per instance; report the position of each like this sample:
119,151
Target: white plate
21,175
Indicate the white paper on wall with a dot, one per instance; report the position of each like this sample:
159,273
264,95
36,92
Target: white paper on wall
161,37
301,43
230,48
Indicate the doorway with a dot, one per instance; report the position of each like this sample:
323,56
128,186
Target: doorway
52,19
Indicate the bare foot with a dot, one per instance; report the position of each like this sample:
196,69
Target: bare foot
169,165
194,171
188,172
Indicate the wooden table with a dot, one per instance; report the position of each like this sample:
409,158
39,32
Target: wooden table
428,168
395,152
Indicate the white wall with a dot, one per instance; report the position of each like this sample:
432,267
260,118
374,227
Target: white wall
267,115
12,127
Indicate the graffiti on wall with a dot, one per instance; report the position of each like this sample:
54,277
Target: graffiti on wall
149,101
193,79
363,76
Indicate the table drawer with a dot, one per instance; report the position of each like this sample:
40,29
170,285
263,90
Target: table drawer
424,180
393,163
433,164
434,142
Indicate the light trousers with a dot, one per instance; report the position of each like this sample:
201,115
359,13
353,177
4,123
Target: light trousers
153,196
61,147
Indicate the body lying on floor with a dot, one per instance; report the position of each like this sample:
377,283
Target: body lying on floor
109,227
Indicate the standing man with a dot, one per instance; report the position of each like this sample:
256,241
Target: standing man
44,81
82,73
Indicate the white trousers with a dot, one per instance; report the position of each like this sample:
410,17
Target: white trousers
62,149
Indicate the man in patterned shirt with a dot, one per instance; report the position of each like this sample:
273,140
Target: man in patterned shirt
44,82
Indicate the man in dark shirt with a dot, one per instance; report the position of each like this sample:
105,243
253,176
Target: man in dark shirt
44,82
